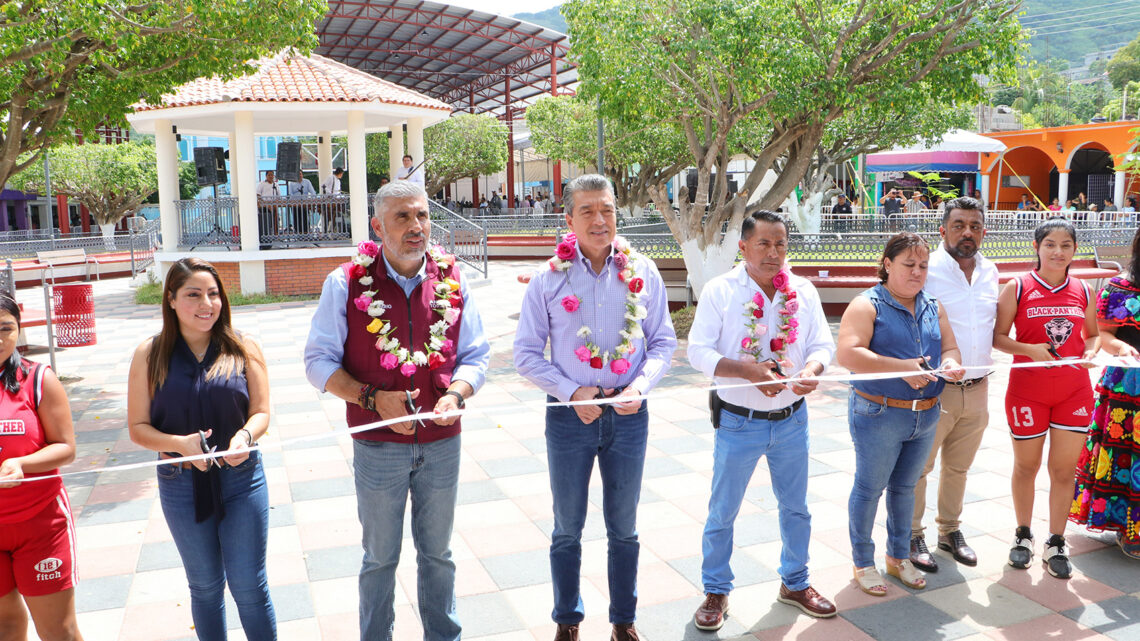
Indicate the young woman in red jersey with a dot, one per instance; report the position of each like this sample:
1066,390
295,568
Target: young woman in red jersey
1054,318
37,535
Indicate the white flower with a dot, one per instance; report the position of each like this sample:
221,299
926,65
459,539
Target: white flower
435,343
632,298
392,345
750,306
363,260
584,331
621,244
366,281
636,331
442,288
402,354
370,293
639,312
627,274
419,358
439,327
376,308
383,328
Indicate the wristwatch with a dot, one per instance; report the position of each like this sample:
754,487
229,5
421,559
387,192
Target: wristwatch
460,401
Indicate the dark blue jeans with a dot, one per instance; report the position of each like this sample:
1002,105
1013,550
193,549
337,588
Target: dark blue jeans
219,551
618,443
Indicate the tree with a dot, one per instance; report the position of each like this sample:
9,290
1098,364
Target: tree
1125,65
783,68
75,64
1114,109
639,155
110,180
464,146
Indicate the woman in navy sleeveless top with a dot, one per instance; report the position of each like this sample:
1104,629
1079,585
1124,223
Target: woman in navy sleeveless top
199,376
893,327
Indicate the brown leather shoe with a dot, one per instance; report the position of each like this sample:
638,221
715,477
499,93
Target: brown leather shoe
955,544
624,632
811,602
920,555
710,616
566,632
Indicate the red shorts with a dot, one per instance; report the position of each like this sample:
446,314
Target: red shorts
37,556
1035,402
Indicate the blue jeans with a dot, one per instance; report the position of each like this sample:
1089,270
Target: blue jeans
891,446
740,443
385,474
220,551
618,443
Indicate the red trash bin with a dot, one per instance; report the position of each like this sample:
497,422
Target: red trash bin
73,315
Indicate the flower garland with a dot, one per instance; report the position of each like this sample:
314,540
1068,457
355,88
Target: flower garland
751,347
446,304
625,261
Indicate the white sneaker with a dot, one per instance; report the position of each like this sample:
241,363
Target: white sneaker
1056,558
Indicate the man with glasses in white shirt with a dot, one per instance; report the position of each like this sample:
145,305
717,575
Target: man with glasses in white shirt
966,284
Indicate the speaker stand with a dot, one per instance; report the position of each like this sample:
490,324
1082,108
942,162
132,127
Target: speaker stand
217,231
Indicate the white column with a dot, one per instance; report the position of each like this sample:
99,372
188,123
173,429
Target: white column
166,157
324,155
235,175
416,140
395,150
985,189
242,158
1118,189
357,177
1063,186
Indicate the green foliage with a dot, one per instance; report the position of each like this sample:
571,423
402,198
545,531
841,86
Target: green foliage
111,180
1113,109
1055,33
75,64
464,146
932,181
151,294
1132,160
1125,65
683,320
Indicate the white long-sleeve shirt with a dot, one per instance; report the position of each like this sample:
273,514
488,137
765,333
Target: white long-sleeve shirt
970,306
720,326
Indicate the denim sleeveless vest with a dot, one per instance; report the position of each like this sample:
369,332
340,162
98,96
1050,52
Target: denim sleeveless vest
900,334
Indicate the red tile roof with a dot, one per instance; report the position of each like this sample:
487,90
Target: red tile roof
295,78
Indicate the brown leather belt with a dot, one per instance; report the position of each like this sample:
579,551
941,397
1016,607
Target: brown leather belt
917,405
184,464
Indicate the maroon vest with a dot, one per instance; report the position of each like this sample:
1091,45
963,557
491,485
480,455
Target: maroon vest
412,317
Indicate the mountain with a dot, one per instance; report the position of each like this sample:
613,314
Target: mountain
551,19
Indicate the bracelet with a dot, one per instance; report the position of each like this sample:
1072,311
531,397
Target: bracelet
462,402
248,436
367,397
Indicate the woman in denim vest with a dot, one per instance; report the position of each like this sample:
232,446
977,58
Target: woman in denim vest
893,327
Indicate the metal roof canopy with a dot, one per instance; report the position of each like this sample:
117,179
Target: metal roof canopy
472,60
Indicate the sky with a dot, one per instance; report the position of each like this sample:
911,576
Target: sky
507,7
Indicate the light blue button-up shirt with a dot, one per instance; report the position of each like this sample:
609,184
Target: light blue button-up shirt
602,308
324,349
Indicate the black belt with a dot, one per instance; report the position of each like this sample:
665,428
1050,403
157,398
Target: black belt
774,415
970,382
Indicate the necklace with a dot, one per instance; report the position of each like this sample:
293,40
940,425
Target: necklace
751,346
625,260
447,304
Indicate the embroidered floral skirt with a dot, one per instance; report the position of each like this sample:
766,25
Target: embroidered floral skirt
1107,493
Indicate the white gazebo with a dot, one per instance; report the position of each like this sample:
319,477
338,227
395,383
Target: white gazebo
286,95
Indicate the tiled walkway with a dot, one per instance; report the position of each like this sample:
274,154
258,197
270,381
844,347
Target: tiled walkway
133,586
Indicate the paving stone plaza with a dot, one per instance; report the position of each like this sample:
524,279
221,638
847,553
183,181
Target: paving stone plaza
133,587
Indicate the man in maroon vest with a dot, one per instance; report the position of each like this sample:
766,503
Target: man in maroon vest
395,329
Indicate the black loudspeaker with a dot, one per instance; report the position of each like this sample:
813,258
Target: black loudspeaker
210,165
289,161
691,183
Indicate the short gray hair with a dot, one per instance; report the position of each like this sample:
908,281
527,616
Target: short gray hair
397,189
585,182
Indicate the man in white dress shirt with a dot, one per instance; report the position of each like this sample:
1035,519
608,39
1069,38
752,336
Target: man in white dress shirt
748,320
331,185
966,285
406,173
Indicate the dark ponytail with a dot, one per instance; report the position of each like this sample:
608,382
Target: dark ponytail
14,363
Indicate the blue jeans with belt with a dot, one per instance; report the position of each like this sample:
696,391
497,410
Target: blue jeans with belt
891,446
386,474
220,551
740,442
618,443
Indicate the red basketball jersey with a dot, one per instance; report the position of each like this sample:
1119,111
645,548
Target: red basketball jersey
21,434
1053,315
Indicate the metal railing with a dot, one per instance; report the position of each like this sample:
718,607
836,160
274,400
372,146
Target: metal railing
459,236
532,225
139,243
928,220
282,222
208,221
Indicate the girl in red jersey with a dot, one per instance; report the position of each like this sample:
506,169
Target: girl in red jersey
1055,318
37,536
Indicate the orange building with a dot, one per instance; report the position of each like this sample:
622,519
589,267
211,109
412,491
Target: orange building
1061,163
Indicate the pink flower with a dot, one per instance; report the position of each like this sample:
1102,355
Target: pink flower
759,329
570,237
388,360
792,335
450,315
362,302
758,298
380,343
620,366
570,304
447,346
792,305
620,260
780,280
565,250
435,360
793,322
408,369
583,354
368,248
746,343
776,344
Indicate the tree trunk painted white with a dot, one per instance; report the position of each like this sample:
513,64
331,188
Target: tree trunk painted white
715,259
108,235
806,211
